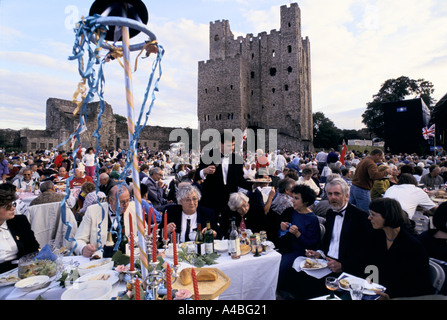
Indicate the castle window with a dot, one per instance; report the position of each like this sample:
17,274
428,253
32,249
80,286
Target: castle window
217,89
216,37
273,53
206,90
273,90
232,115
33,145
286,87
50,146
273,72
252,92
42,146
289,69
208,117
252,75
231,87
155,144
289,49
289,24
252,56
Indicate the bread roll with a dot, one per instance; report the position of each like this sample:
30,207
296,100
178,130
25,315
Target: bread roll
185,276
344,283
207,275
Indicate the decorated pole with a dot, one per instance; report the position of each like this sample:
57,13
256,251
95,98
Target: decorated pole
131,129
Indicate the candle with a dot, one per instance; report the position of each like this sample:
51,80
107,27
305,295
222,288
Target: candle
144,218
131,245
137,289
149,223
153,217
195,285
174,247
165,229
154,245
168,282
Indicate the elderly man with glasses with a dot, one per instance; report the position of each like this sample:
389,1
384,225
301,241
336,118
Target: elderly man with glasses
26,183
119,201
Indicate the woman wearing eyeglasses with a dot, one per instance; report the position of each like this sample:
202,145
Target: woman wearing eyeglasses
16,237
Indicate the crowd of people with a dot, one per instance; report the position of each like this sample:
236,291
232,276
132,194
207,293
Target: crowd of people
353,211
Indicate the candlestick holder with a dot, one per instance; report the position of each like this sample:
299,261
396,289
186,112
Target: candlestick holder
153,281
165,244
175,273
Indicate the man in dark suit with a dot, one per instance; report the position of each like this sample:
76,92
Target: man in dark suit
222,175
344,243
17,237
156,189
185,217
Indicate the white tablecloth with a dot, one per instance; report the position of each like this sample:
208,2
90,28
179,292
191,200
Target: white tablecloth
54,291
252,278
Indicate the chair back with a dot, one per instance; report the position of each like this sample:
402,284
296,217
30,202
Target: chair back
437,275
322,231
47,225
422,222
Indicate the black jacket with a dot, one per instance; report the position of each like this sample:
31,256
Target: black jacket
23,236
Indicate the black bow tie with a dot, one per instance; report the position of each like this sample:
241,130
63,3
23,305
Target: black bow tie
338,213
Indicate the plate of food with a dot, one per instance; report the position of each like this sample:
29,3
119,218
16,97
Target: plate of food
109,276
9,278
313,264
369,288
95,265
33,283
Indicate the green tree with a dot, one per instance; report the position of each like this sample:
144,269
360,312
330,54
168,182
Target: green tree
395,90
326,134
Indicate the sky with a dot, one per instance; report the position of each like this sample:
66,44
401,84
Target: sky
356,45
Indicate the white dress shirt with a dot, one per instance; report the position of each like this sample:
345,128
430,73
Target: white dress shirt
8,247
334,246
192,226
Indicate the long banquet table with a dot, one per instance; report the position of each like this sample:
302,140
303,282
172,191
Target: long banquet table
252,278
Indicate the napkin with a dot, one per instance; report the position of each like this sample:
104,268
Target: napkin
46,254
320,273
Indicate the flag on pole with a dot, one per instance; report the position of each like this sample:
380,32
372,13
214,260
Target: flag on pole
428,132
343,153
244,137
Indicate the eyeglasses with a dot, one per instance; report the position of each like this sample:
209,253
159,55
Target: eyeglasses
191,200
9,206
27,174
124,202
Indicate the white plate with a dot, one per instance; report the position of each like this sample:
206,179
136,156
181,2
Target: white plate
90,290
112,275
367,286
9,278
221,245
95,265
321,261
33,283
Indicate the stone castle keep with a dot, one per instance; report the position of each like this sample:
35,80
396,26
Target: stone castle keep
259,82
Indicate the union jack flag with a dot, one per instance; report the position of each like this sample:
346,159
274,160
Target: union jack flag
428,132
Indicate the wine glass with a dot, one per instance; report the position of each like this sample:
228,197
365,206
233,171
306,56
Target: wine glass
332,285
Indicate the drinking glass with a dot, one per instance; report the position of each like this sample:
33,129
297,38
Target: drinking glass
332,285
356,290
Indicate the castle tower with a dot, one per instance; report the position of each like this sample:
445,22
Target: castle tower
259,82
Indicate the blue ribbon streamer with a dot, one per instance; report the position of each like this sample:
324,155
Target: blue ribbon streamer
85,32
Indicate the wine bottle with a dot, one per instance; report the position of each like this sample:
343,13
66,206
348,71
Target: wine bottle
200,246
234,248
108,247
209,239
